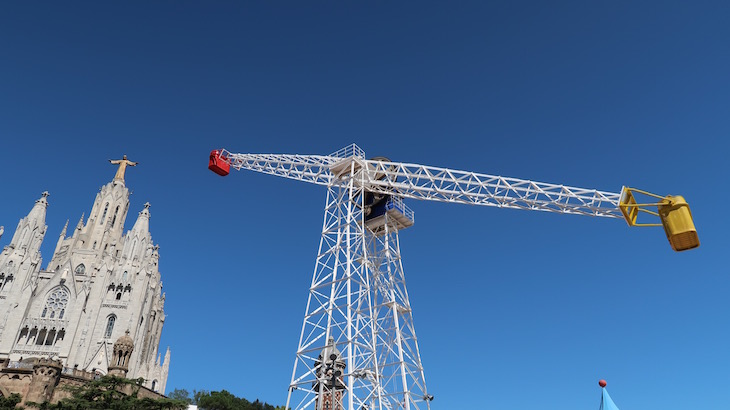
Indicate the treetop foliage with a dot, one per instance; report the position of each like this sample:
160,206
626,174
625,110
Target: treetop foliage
220,400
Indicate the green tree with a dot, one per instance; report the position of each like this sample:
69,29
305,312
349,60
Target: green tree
10,402
223,400
220,400
180,394
108,393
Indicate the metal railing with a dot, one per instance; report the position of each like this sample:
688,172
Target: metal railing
397,203
351,150
19,365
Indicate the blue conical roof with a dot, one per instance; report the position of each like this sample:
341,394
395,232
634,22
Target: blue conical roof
606,402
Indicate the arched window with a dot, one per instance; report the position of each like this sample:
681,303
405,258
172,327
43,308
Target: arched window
59,336
110,326
56,303
154,385
124,276
81,269
114,219
50,337
23,334
106,208
41,337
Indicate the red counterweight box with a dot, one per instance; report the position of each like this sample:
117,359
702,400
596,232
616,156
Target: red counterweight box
218,163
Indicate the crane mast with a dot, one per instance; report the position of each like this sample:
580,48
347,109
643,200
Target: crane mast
358,347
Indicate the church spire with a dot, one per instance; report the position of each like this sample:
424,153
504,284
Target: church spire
142,225
32,228
39,209
138,238
61,237
63,232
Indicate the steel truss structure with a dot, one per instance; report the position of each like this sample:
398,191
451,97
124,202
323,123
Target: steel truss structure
358,300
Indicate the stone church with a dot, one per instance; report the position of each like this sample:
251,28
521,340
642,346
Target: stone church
101,288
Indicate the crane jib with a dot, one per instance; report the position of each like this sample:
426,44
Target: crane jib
422,182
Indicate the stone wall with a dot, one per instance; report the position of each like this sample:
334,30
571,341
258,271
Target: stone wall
35,378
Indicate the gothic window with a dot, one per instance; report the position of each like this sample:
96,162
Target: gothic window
31,336
4,283
51,336
114,219
106,208
119,296
94,245
41,337
56,303
81,269
59,336
124,276
110,326
23,334
154,385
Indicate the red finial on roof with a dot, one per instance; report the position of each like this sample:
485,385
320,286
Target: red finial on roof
602,383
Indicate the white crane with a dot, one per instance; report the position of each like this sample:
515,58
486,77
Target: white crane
358,347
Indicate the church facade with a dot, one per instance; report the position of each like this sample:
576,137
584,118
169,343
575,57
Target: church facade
101,285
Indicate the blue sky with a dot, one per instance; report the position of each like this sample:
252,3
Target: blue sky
513,309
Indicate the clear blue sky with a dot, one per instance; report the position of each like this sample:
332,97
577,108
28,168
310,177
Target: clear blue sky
513,309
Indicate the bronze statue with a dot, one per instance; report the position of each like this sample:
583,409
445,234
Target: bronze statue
122,167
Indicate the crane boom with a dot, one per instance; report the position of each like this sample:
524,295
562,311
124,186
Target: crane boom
424,182
449,185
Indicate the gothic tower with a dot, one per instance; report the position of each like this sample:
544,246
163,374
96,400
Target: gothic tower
45,377
123,348
19,265
99,282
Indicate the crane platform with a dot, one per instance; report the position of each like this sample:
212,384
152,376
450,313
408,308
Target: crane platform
392,209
